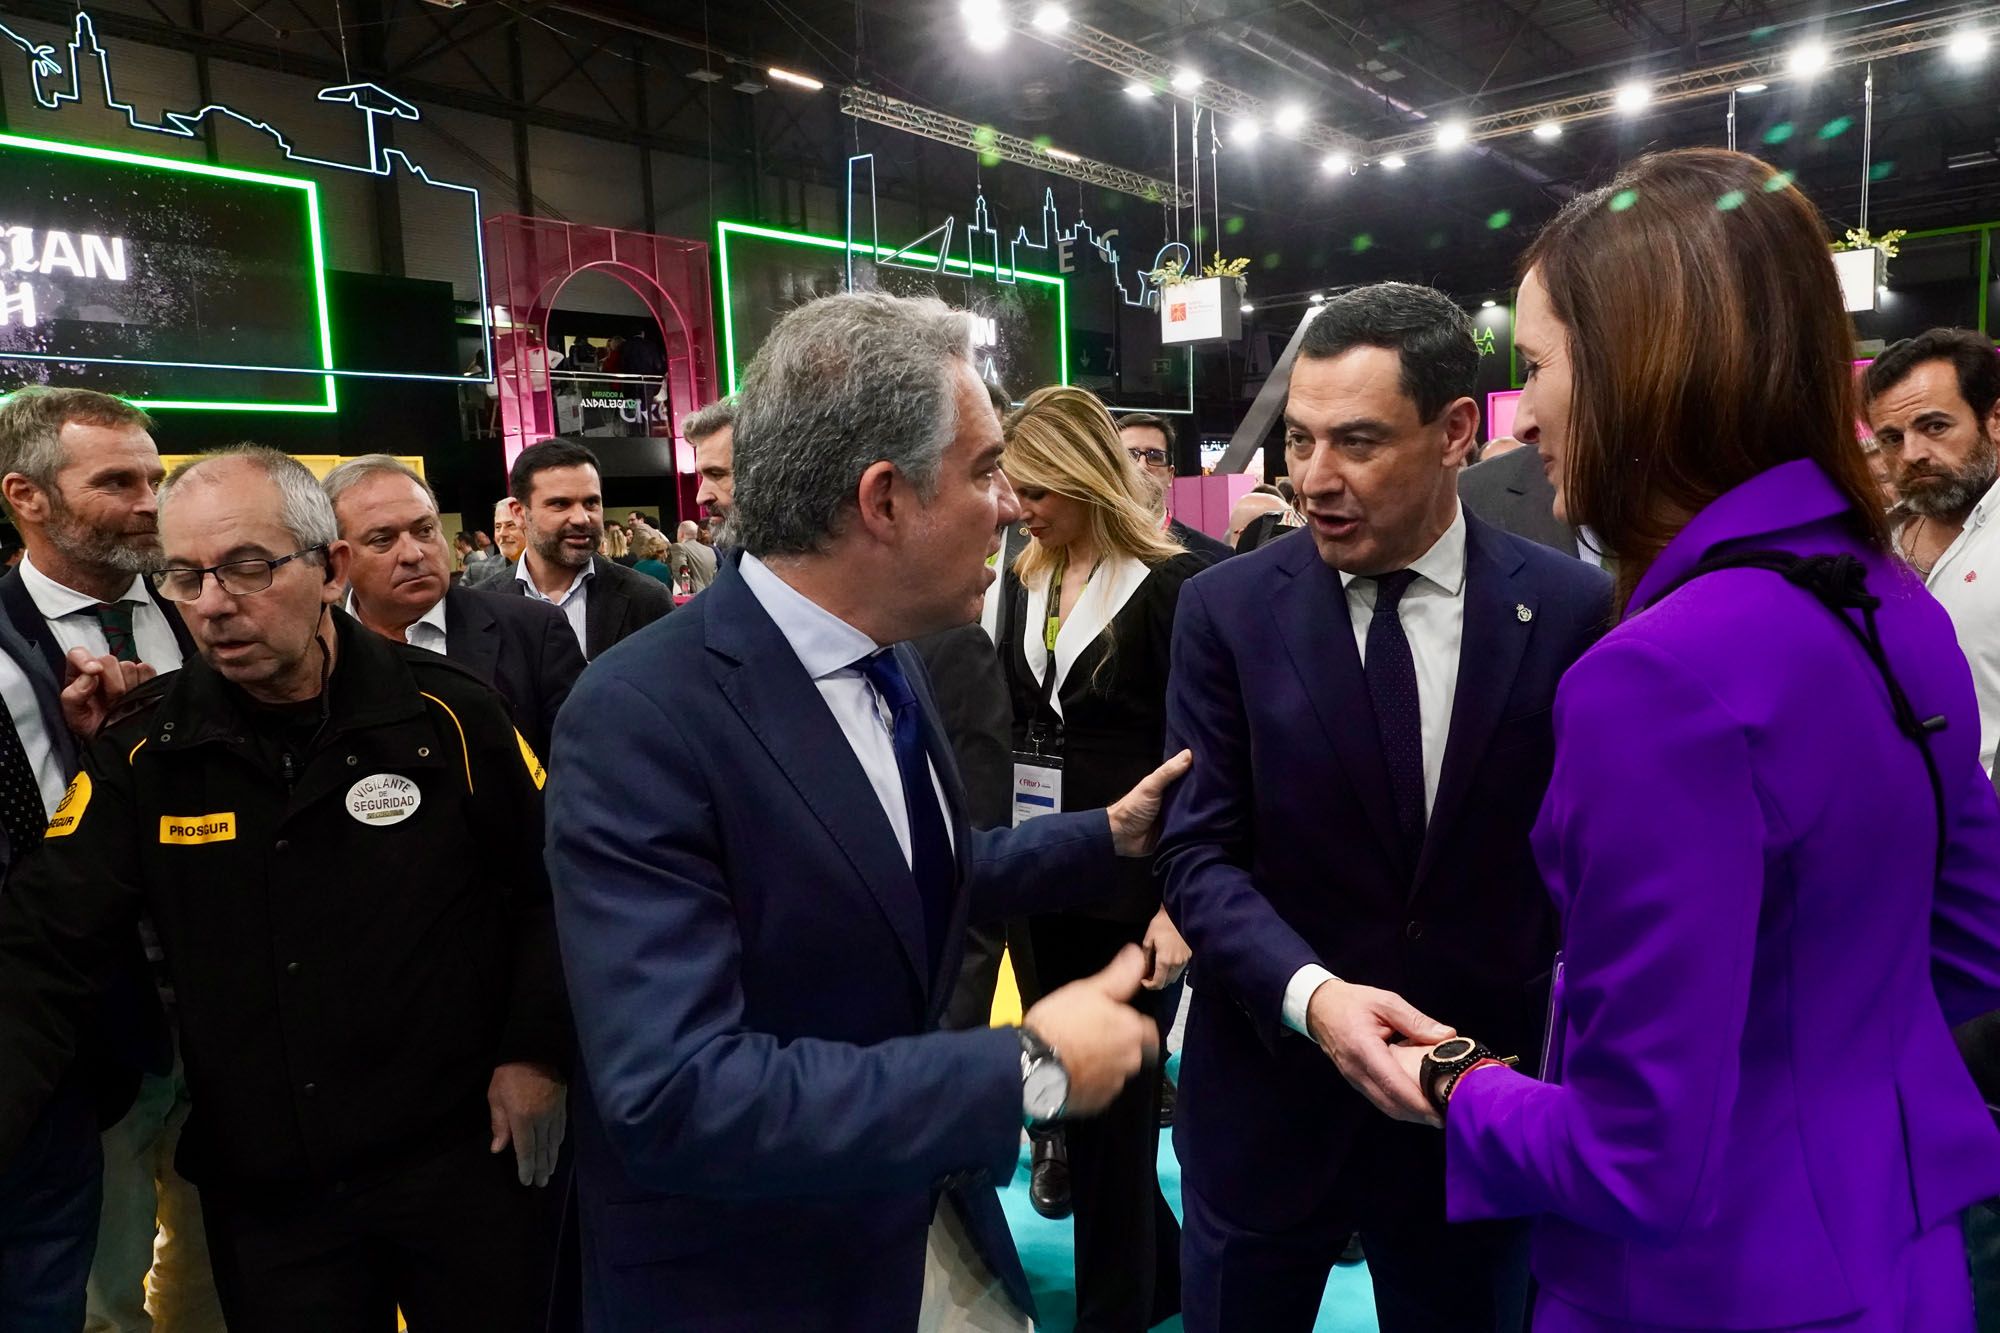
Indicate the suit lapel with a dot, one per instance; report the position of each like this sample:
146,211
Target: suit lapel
28,623
174,622
471,635
761,677
946,764
1318,633
603,608
1494,640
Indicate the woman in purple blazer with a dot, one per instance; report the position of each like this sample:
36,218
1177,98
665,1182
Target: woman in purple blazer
1752,1114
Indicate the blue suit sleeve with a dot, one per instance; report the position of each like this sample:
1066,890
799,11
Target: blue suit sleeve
1245,947
1046,865
693,1099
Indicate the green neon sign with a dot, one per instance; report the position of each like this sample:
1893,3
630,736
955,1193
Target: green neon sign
314,263
724,230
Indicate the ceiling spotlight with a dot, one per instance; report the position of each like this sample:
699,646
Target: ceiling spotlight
1393,162
796,80
1316,298
1062,155
1630,97
1968,47
1453,134
1051,18
985,24
1488,304
1755,88
1548,131
1334,164
1244,133
1291,118
986,37
1138,91
1186,80
1807,59
1247,308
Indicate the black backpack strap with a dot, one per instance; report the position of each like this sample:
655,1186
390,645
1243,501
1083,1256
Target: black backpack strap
1840,584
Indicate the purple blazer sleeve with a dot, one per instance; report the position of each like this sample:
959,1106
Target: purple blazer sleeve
1661,831
1245,947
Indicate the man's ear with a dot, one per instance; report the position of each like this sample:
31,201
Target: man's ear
25,498
880,500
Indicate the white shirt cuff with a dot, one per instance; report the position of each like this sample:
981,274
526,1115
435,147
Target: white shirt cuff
1299,993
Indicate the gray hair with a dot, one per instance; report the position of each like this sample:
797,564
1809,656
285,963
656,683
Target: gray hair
710,419
31,422
357,470
304,510
842,383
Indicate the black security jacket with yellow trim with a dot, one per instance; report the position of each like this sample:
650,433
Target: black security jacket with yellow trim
353,905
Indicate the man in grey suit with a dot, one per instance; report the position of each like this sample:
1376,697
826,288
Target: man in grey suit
1512,493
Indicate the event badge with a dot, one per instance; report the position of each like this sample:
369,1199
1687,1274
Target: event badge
382,799
1037,786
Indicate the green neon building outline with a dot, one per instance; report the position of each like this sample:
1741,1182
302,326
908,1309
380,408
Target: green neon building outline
318,263
723,231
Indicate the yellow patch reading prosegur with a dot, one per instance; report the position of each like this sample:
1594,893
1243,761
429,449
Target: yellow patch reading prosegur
75,798
188,829
535,769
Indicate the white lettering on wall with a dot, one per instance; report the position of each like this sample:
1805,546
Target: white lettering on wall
17,305
83,254
985,331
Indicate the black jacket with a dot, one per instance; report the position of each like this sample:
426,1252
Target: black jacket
971,693
1114,722
617,603
1199,543
522,648
346,983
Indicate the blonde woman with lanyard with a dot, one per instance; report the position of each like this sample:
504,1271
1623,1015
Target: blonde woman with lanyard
1087,622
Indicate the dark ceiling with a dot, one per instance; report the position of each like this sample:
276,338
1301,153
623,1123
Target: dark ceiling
1379,67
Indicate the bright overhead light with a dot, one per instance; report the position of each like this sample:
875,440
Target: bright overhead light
1968,47
1334,164
1062,155
1755,88
1247,308
1548,131
1631,96
1316,298
1393,162
1138,91
984,37
1488,304
1244,132
1291,118
1807,59
1453,134
1051,18
985,23
796,80
1186,80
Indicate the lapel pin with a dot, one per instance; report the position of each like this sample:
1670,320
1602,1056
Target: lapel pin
1522,613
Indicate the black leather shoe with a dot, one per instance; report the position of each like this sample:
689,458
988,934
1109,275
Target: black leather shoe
1352,1254
1168,1095
1048,1179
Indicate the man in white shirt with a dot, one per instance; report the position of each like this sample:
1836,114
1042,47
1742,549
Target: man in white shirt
78,470
1934,404
1371,712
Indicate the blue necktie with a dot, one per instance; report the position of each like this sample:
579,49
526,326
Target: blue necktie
931,861
1392,686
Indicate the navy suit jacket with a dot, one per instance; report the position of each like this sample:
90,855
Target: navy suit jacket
1280,847
770,1115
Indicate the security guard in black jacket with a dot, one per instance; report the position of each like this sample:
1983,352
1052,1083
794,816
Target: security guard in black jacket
339,839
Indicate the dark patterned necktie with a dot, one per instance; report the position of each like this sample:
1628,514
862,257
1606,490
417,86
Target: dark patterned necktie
1392,686
21,810
116,619
931,862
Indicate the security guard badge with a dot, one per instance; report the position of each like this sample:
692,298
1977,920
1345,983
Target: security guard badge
382,799
1522,613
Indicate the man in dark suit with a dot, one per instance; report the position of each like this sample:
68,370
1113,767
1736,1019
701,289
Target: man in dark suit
1513,493
399,586
1370,704
761,903
1150,441
557,492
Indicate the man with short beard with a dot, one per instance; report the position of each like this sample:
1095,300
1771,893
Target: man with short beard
1934,404
78,468
712,432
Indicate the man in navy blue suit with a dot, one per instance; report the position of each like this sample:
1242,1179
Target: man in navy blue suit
1382,682
763,900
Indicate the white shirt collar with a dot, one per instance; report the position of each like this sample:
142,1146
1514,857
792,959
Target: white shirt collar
56,600
1980,512
521,573
825,643
433,617
1442,565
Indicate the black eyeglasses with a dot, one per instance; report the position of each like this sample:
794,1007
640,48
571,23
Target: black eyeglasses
238,578
1151,457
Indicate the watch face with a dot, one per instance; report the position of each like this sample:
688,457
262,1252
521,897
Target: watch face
1457,1048
1046,1090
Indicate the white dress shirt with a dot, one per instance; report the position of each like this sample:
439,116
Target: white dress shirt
72,617
427,631
828,648
1432,613
1966,582
17,691
573,601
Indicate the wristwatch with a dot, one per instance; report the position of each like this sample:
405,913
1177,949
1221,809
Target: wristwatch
1445,1065
1044,1081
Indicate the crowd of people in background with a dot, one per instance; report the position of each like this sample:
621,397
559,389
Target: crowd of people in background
1568,872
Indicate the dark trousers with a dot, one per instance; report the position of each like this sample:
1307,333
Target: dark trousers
451,1239
1429,1276
1127,1241
1982,1253
49,1200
